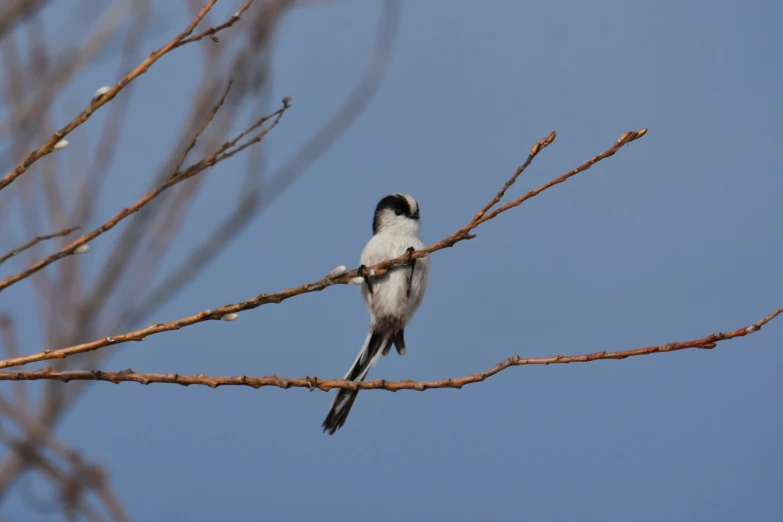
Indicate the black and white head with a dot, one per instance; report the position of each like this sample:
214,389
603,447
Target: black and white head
397,214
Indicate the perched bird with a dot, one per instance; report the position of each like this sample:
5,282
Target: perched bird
391,299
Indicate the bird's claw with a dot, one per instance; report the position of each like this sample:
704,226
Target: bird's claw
364,273
412,261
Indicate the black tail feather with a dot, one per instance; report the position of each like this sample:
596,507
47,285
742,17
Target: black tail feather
399,341
343,401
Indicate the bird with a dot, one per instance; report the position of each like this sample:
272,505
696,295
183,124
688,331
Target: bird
391,299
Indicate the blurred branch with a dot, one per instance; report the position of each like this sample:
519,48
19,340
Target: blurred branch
255,200
72,485
338,276
5,257
11,348
100,100
36,80
352,107
16,11
225,151
64,66
108,142
707,342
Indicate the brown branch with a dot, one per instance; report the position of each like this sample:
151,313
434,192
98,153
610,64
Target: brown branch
534,150
225,25
35,241
200,131
329,280
99,101
707,342
225,151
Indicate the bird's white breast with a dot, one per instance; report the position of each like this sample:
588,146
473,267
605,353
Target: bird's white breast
389,302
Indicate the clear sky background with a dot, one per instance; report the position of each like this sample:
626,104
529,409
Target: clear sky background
676,237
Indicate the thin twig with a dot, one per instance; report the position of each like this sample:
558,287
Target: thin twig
35,241
213,30
707,342
316,286
534,150
11,348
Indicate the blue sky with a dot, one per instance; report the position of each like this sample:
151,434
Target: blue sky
674,238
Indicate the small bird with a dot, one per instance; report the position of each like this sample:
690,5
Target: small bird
391,299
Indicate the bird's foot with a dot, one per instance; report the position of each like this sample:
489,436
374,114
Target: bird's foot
363,272
412,261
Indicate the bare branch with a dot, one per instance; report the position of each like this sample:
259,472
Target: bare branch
204,125
5,257
329,280
707,342
213,30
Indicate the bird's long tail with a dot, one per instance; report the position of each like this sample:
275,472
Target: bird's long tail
374,346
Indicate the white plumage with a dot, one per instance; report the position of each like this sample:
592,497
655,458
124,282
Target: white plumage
391,299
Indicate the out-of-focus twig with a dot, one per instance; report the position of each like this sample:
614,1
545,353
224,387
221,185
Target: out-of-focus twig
11,348
84,475
15,11
200,131
66,64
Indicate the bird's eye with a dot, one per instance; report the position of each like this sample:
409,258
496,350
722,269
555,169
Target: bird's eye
398,212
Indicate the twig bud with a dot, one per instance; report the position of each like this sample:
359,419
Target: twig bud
101,91
230,317
337,271
534,150
60,145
